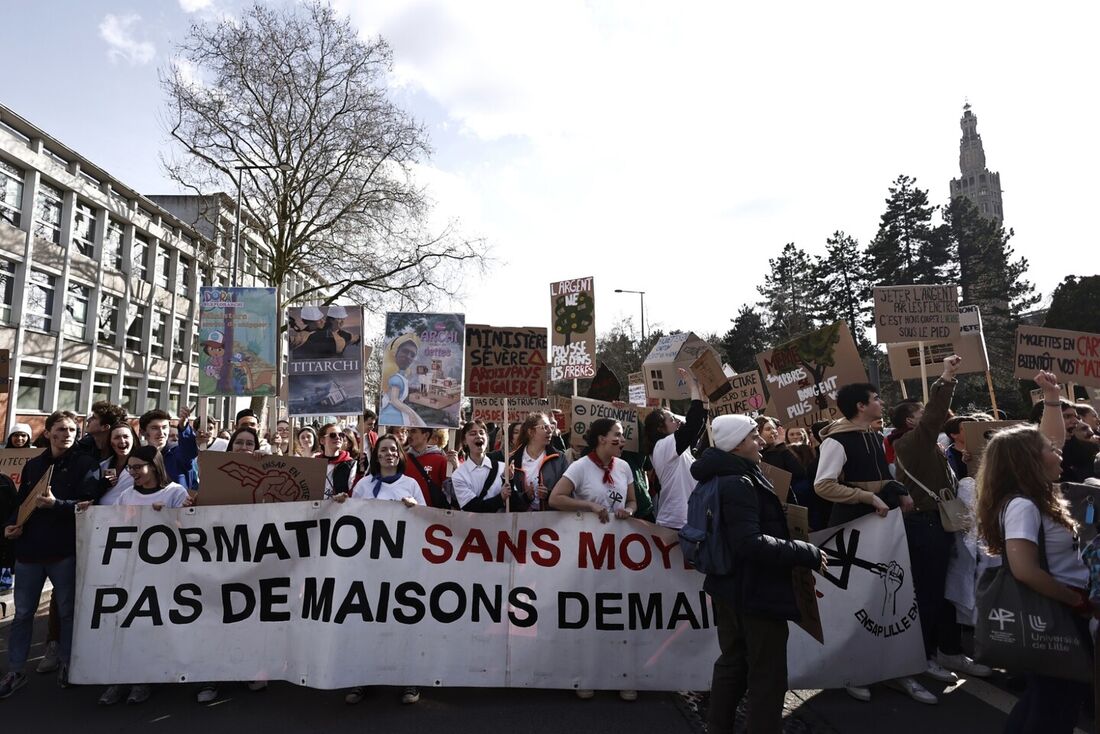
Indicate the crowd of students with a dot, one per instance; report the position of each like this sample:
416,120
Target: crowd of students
839,470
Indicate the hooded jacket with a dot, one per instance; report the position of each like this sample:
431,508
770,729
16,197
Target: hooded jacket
754,528
434,463
918,455
851,464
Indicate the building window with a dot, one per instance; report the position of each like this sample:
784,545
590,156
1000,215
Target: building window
179,339
40,291
159,318
112,244
68,390
103,384
153,395
162,266
130,393
7,289
183,276
107,319
139,257
32,388
11,193
175,395
75,324
84,229
47,213
135,327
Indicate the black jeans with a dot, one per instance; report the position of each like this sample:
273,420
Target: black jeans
753,661
1048,706
930,548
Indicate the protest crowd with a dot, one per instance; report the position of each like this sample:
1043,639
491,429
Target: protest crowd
869,460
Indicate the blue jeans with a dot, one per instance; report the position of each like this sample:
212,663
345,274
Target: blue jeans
29,580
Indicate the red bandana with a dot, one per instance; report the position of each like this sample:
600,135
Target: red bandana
606,469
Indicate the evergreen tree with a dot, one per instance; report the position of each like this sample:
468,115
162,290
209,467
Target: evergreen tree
745,340
1075,305
908,249
841,288
787,295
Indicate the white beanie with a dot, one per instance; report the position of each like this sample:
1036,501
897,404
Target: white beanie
728,431
22,428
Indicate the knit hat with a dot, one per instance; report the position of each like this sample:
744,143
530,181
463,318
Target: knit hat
22,428
728,431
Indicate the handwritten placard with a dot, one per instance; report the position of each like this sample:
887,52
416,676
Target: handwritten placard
584,411
910,313
1072,355
491,410
745,396
573,342
505,361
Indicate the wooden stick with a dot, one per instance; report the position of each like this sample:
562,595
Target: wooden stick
574,387
923,372
507,430
992,395
904,392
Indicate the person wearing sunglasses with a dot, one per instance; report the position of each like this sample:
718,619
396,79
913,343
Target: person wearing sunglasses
340,476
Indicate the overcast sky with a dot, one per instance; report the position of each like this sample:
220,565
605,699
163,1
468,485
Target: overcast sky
665,147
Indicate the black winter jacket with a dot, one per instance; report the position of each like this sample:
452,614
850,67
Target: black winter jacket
755,528
50,532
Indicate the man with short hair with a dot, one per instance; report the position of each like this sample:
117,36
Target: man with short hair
154,426
427,464
246,418
102,419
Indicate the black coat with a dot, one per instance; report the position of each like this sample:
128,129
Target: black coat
50,532
755,528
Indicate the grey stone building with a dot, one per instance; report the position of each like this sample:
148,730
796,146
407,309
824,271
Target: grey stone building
976,182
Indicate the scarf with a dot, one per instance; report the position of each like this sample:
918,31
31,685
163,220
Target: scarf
378,479
606,469
340,457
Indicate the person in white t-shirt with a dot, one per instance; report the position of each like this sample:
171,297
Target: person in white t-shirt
670,442
481,483
387,479
151,485
601,482
122,440
1017,495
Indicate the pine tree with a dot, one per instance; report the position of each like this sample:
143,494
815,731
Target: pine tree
745,340
908,249
787,295
841,289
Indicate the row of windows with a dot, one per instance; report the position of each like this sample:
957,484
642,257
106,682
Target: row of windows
33,380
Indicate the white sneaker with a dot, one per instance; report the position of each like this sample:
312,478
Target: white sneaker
207,694
628,695
50,660
940,673
859,693
585,693
914,690
964,665
410,695
257,685
355,695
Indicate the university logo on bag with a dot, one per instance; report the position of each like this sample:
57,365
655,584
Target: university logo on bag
1036,623
1002,617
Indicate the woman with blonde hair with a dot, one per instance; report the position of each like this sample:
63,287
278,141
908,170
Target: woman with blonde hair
1019,503
399,358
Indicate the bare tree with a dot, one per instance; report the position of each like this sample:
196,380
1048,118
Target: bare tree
296,95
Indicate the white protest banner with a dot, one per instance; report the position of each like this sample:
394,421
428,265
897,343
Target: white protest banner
913,313
491,410
868,609
1072,355
331,595
584,411
573,341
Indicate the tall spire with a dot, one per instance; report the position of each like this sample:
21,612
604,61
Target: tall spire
976,182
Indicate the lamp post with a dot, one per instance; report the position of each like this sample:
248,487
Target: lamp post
284,167
642,295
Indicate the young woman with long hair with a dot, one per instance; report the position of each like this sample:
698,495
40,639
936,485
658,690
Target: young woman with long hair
306,442
340,476
480,483
116,480
536,466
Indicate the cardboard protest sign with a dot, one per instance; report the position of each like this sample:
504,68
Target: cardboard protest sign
1072,355
670,354
325,360
905,357
584,411
505,361
707,369
976,434
804,374
491,410
422,370
30,504
1037,394
237,333
573,342
605,385
745,396
248,479
910,313
12,461
636,389
805,589
780,479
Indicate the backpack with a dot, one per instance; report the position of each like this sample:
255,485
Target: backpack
701,538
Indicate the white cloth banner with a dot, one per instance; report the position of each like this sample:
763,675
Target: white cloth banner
868,609
331,595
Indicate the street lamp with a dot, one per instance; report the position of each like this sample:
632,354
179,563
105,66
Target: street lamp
284,167
642,295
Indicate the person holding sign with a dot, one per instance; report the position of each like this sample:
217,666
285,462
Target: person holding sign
753,604
670,441
481,484
45,544
534,470
401,355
